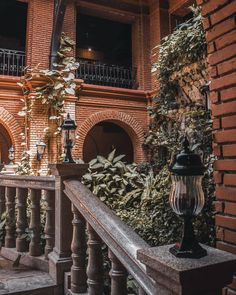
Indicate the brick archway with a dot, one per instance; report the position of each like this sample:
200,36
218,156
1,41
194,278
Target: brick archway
124,120
13,129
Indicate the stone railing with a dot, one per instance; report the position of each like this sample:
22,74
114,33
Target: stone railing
103,227
76,263
22,198
77,226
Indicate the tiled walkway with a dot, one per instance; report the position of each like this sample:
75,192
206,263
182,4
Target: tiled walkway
23,280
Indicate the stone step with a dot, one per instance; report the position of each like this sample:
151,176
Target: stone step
22,280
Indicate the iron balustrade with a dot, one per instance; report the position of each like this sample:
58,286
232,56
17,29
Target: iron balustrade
12,62
98,73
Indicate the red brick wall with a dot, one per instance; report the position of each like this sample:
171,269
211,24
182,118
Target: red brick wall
220,26
159,28
39,30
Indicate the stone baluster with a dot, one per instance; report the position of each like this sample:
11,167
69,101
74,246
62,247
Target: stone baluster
10,240
2,200
95,263
49,228
34,247
78,248
118,276
21,222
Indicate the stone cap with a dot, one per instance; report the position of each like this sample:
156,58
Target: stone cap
68,169
183,275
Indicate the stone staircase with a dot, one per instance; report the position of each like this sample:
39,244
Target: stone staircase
23,280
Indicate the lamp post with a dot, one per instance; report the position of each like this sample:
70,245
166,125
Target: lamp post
41,146
187,199
68,138
11,155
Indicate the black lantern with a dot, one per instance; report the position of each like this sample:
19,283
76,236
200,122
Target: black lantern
187,199
41,146
11,155
68,138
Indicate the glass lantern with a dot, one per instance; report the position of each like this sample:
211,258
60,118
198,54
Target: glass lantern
11,155
68,138
187,199
41,146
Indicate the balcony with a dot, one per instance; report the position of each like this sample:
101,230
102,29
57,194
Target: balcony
98,73
12,62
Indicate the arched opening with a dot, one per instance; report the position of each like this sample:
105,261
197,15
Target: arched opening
5,144
103,138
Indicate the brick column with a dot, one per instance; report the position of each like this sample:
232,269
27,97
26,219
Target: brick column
141,49
39,30
220,26
159,28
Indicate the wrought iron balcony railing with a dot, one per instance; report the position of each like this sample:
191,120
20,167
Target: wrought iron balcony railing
12,62
98,73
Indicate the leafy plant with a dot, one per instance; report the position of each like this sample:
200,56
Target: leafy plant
140,199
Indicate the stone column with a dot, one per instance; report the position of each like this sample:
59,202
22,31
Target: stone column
182,276
60,258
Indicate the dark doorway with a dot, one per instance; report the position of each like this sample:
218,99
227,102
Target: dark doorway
104,40
13,19
104,50
5,144
103,138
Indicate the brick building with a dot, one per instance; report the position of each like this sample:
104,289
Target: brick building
123,104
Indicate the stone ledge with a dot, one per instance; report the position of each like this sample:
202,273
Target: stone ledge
188,276
38,262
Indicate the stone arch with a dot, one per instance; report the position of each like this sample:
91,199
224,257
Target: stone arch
13,128
124,120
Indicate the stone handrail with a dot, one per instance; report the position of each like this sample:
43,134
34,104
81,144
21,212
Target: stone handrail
34,182
122,241
22,199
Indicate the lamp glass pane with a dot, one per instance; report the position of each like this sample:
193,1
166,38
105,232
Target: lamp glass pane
41,149
72,137
186,196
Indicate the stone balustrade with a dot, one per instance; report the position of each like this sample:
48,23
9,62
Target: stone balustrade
77,228
29,229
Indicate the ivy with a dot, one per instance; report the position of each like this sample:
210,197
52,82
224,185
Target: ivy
179,110
55,86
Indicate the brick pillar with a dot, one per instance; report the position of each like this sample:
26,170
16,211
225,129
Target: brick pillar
69,25
220,27
141,49
38,122
159,28
39,30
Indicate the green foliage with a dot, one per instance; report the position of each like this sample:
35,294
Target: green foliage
138,198
179,111
24,168
185,46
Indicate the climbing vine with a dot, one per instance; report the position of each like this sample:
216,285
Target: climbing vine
52,89
181,108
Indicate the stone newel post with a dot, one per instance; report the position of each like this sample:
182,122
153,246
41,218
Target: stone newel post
183,276
60,258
